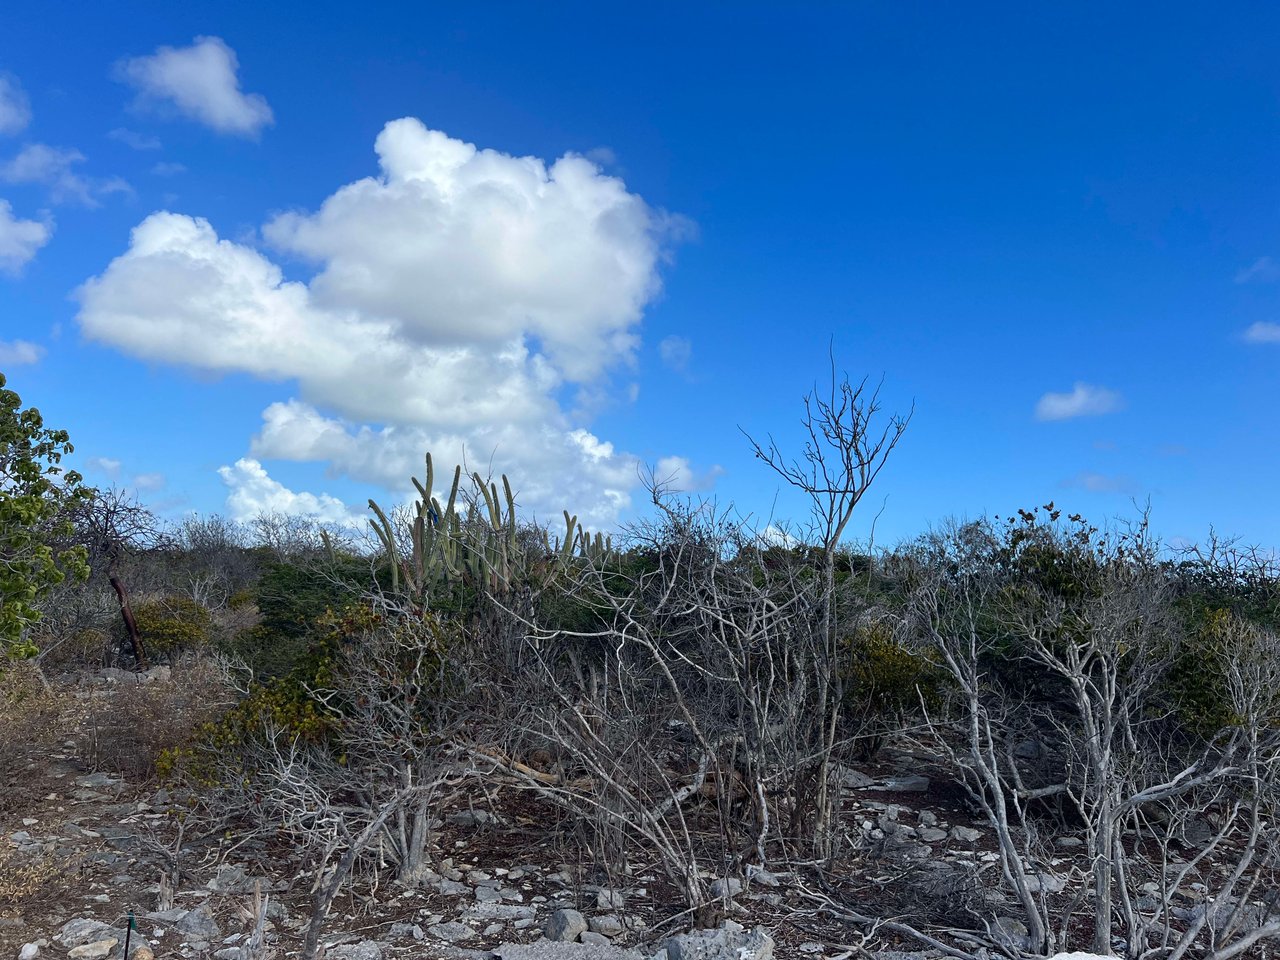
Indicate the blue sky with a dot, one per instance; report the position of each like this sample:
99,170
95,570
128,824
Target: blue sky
261,256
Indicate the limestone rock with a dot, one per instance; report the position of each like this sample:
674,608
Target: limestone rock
609,925
554,950
364,950
451,932
565,926
82,930
198,923
726,887
730,942
95,950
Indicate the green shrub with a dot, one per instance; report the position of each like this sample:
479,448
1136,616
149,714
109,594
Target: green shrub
884,684
171,625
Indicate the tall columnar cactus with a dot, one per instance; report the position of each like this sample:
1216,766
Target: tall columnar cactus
483,548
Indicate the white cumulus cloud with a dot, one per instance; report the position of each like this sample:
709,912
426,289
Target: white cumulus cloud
458,299
201,82
20,239
15,108
677,475
1262,332
16,353
255,494
1084,400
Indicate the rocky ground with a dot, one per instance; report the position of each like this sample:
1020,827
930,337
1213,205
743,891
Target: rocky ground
81,849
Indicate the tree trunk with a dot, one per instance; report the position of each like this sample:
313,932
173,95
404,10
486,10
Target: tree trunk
130,624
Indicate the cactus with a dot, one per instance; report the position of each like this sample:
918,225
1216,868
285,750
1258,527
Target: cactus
483,548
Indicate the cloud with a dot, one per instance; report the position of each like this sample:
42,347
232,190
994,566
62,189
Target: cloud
1101,483
1262,332
677,475
201,82
149,482
254,494
15,108
107,466
168,169
1084,400
17,353
1262,270
53,167
676,352
134,140
20,239
459,301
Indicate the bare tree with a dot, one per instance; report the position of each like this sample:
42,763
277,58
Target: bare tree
847,444
1069,638
113,524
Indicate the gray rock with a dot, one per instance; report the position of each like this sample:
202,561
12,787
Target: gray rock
199,923
95,950
451,932
553,950
965,834
28,952
852,779
762,876
364,950
609,925
730,942
232,878
1012,932
99,781
565,926
83,930
726,887
599,939
405,931
911,783
607,899
172,915
500,911
932,834
1046,883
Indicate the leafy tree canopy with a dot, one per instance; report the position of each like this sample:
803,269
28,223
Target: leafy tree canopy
35,493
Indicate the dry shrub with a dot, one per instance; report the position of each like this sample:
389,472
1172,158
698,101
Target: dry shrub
130,724
31,712
26,879
73,651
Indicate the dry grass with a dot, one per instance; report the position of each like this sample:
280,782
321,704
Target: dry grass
27,879
129,725
32,714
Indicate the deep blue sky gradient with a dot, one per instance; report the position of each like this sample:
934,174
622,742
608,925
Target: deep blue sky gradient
981,202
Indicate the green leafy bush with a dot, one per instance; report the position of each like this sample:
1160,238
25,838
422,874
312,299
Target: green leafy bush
884,683
171,625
